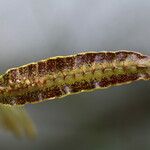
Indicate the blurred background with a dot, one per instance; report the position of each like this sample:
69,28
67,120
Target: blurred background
114,119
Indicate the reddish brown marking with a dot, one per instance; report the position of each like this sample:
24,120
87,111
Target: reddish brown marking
123,78
42,67
32,70
23,71
13,75
104,82
84,85
121,56
51,65
109,57
82,59
90,58
140,56
52,92
60,64
70,61
100,57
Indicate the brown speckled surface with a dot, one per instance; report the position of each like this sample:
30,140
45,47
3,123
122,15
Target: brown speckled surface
24,88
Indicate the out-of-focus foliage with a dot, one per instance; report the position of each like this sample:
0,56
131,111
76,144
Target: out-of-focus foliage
16,120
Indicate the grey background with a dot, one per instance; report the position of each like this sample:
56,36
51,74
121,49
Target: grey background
114,119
